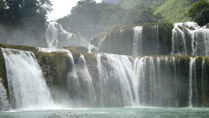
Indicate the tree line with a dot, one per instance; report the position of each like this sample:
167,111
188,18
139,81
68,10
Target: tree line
89,17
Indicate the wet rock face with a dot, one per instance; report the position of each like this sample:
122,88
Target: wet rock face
155,39
84,78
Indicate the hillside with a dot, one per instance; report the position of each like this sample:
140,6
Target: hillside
111,1
147,3
175,10
171,10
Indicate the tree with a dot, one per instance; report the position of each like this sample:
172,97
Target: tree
18,12
140,14
25,20
199,12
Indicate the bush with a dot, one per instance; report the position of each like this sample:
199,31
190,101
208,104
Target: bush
199,12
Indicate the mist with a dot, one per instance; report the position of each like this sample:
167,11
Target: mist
114,59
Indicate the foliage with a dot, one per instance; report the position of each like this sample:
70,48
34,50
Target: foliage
27,17
146,3
18,12
199,12
171,10
89,17
140,14
111,1
176,10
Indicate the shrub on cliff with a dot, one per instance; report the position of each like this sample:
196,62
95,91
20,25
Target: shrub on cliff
199,12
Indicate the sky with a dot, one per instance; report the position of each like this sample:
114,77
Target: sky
62,8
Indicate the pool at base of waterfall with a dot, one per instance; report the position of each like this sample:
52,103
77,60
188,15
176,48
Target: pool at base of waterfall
148,112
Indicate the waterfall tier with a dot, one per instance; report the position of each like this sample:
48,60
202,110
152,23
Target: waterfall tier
26,83
58,37
41,77
155,39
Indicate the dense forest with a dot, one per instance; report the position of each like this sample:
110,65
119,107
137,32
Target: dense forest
89,17
24,21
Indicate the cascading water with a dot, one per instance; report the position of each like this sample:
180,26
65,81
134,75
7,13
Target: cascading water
139,69
202,80
4,103
175,78
85,73
57,36
192,77
200,42
152,78
178,40
27,86
52,34
81,80
183,33
118,75
117,80
137,42
155,29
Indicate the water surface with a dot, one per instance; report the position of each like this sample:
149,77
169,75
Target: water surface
112,113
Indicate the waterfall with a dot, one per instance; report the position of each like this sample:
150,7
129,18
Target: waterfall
26,82
139,69
155,29
122,75
175,80
52,32
4,103
152,82
57,36
103,78
192,75
182,33
178,40
200,42
85,78
202,80
137,42
158,80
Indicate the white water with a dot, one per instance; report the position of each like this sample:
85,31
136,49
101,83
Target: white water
156,34
88,79
117,81
191,78
81,75
153,88
55,30
27,86
137,42
199,37
175,77
4,103
122,72
202,80
178,40
158,80
52,34
200,42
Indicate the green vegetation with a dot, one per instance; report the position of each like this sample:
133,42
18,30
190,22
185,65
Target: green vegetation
175,10
24,12
23,21
111,1
89,18
147,3
171,10
199,12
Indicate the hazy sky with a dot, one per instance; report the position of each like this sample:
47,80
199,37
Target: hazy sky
62,8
